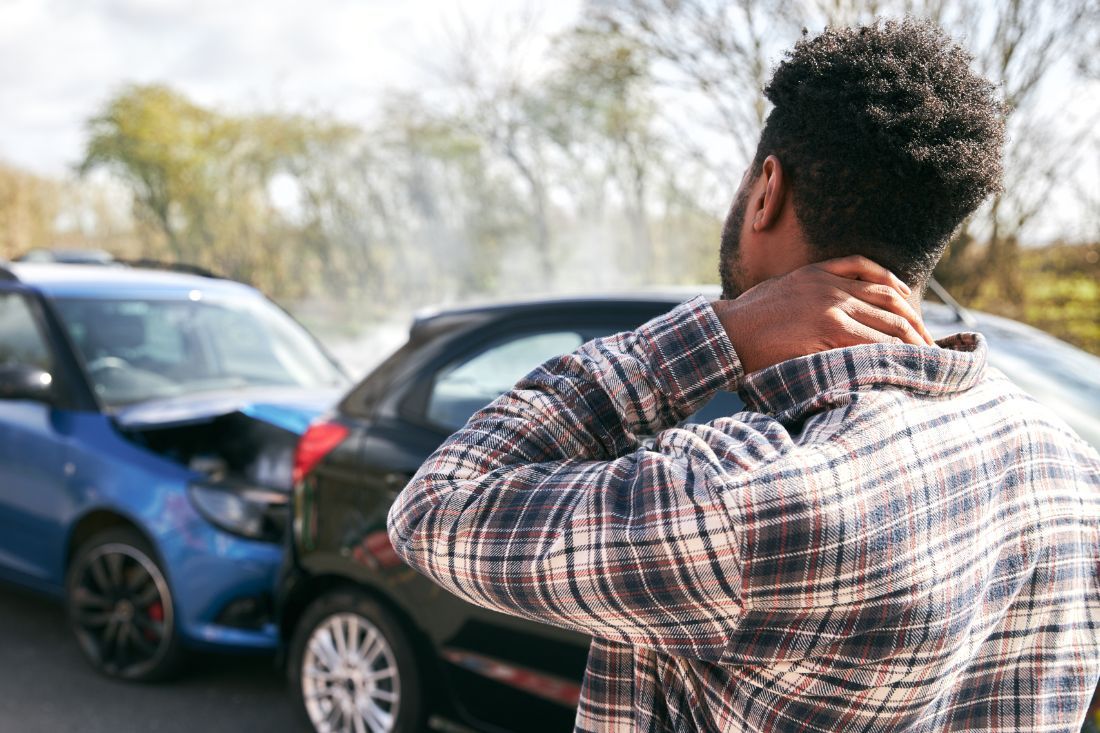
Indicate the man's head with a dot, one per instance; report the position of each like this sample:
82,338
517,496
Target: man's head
882,140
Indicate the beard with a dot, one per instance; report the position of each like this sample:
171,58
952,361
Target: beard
729,253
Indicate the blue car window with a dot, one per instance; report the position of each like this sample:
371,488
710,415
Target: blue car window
242,347
20,340
141,349
468,385
163,341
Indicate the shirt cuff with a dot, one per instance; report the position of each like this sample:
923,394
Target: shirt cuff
691,354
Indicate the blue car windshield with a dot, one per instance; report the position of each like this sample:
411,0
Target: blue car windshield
142,349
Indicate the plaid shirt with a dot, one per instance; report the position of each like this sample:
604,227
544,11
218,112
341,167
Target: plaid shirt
889,538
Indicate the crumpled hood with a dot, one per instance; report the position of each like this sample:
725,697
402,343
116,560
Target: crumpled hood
286,408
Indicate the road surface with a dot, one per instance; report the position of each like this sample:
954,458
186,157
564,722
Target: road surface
46,686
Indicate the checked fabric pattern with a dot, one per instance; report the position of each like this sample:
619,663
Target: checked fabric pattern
890,538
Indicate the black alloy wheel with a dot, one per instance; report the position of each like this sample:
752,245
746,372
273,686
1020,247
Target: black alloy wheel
353,670
120,608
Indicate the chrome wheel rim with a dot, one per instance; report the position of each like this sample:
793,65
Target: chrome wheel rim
350,681
121,610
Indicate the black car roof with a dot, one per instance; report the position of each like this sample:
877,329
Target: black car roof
433,321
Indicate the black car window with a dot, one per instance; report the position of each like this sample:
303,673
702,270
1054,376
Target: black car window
20,340
467,385
722,404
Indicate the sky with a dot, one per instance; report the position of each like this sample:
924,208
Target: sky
60,60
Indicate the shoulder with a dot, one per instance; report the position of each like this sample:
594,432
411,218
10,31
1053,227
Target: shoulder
1034,419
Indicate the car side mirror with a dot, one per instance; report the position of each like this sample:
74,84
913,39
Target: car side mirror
25,382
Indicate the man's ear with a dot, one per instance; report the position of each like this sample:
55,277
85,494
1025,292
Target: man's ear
770,201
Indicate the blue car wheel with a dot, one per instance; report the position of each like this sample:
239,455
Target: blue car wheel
120,608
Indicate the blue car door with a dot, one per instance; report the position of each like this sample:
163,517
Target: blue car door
33,498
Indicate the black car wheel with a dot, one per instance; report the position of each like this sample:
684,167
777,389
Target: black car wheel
120,607
353,670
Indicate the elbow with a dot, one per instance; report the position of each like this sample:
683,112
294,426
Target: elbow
395,531
401,521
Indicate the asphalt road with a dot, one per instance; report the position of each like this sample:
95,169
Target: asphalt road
46,687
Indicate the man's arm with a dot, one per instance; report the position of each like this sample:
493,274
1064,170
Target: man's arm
544,505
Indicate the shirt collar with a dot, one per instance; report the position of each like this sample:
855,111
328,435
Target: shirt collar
792,389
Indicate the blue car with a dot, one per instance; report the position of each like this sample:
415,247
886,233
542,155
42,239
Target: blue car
148,423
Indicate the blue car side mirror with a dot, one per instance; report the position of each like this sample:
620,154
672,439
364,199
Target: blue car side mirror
25,382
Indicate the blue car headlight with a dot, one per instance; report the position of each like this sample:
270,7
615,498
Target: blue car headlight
257,514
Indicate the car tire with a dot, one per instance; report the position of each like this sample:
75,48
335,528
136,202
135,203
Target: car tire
349,653
121,609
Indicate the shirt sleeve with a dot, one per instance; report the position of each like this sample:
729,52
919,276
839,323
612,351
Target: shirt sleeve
546,506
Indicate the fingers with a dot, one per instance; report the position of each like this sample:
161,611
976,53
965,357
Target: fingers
888,298
858,267
888,327
854,333
826,305
871,283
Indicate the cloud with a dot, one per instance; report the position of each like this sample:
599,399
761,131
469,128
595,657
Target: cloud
61,59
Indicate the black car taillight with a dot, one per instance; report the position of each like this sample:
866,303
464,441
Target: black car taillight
317,442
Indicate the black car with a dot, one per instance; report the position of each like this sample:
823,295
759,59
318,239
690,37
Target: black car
375,646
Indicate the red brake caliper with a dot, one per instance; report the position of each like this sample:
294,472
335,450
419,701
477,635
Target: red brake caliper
156,613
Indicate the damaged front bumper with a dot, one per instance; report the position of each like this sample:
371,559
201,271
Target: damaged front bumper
226,547
223,586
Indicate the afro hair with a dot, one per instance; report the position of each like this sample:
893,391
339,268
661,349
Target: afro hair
888,138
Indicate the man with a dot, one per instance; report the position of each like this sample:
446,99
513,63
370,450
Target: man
891,537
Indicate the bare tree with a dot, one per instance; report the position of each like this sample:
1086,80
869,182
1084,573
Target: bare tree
600,114
712,60
1024,45
717,55
488,73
